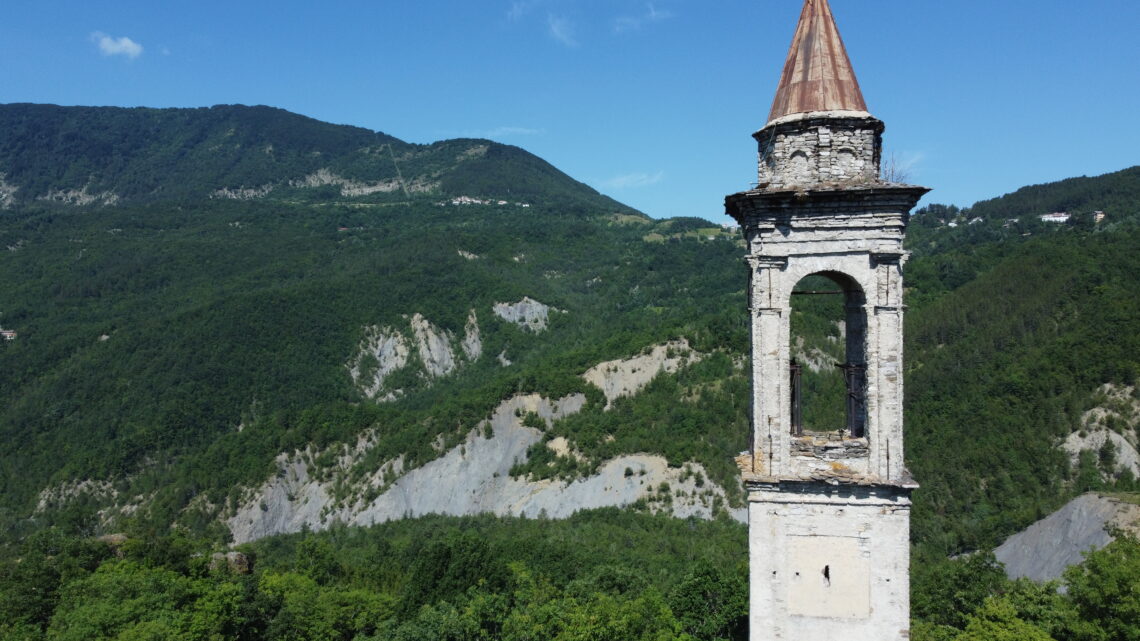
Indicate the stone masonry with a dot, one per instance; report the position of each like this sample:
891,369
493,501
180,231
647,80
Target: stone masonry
829,513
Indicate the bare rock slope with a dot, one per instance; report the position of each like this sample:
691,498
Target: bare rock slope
475,476
1043,550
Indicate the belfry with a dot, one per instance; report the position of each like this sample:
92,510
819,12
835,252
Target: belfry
829,509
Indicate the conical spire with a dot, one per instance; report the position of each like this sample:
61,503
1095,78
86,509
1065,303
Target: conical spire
817,75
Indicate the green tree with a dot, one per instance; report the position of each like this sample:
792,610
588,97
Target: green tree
1105,590
711,603
997,620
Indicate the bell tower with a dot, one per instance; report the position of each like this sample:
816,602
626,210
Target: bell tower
829,509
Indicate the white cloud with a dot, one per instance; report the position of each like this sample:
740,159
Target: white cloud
518,10
110,46
562,30
633,23
636,179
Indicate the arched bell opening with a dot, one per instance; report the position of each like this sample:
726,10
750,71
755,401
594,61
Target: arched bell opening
828,364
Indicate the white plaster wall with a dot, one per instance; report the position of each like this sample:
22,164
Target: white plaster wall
861,534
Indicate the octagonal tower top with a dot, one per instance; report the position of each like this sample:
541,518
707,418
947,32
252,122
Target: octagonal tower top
818,76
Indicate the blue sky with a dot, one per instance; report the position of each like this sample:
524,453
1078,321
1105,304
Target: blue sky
652,103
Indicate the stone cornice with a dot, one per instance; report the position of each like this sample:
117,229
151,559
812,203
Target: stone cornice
841,200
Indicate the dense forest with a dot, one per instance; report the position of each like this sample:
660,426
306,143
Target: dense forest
604,574
172,343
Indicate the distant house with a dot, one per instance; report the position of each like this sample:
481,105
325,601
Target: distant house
1055,217
8,334
974,221
1098,216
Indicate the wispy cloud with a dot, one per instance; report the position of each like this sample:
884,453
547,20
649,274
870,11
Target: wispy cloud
110,46
518,10
505,132
636,179
562,30
633,23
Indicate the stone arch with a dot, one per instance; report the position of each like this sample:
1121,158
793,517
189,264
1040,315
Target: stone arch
852,367
799,167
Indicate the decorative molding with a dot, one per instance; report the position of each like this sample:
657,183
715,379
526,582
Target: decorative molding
887,258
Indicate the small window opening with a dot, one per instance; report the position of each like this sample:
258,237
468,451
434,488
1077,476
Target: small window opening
828,370
827,575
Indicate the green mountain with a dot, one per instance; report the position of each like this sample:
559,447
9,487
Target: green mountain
169,351
173,343
101,155
238,323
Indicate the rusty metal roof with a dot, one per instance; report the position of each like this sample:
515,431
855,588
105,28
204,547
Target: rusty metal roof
818,75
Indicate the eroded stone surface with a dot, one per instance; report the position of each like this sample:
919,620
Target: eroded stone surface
1114,420
242,193
527,313
472,478
7,192
472,340
434,347
80,197
349,187
1042,551
628,376
381,352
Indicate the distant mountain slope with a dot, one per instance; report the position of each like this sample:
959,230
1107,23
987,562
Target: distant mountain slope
1116,194
102,155
248,294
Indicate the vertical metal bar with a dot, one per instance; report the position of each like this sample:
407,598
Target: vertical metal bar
854,376
795,372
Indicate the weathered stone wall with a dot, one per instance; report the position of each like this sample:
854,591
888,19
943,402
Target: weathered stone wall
817,151
829,562
863,254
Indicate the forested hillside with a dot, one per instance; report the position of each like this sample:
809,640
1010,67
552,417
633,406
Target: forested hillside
105,155
203,302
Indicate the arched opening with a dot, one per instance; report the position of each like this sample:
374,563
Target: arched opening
828,368
798,166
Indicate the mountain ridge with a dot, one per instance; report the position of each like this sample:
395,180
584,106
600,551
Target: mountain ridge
107,155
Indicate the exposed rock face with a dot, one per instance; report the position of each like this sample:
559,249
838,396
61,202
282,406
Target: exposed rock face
348,187
1127,458
56,495
814,359
626,377
528,313
385,350
478,151
434,346
382,351
242,193
7,192
1114,420
79,197
1043,550
472,342
474,477
322,177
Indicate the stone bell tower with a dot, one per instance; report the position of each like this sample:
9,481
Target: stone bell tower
829,510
